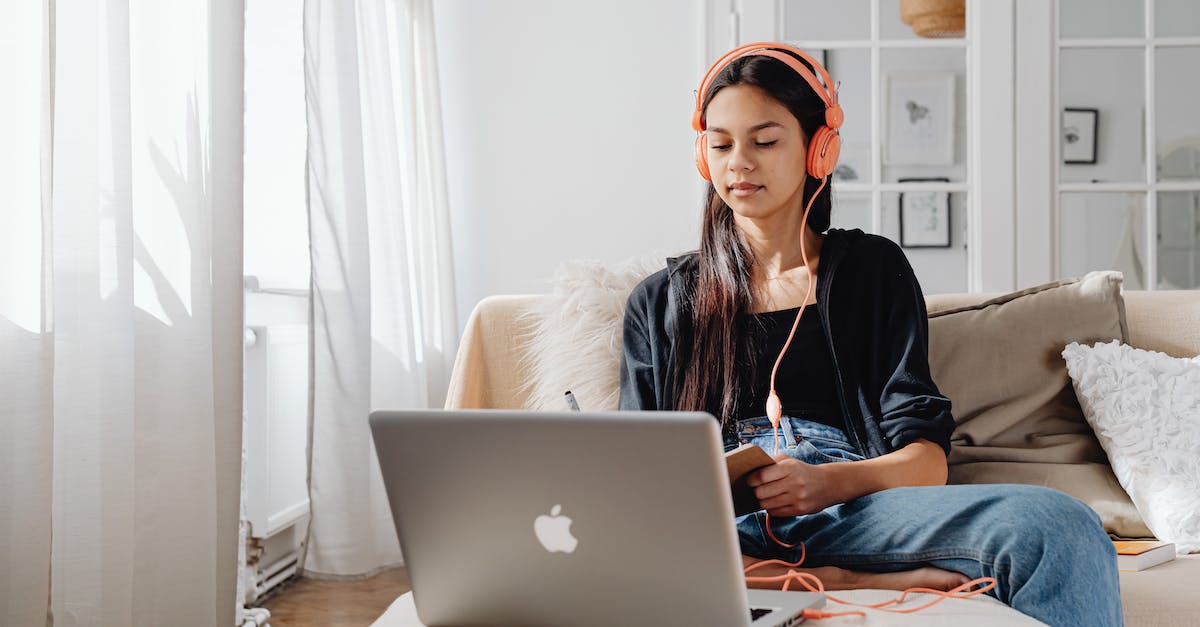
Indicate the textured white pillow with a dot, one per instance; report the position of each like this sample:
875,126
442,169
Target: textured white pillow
1145,409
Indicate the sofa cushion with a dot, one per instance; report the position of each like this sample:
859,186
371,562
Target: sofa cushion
1000,364
1145,409
1162,596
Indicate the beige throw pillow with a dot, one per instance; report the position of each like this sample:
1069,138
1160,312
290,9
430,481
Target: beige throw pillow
1000,364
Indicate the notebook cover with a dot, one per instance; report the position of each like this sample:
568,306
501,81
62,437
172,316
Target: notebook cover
740,462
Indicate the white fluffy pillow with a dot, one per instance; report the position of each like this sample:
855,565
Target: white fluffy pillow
576,340
1145,409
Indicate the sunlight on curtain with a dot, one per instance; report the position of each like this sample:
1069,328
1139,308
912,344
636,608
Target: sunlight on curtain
26,437
168,111
120,416
23,67
383,304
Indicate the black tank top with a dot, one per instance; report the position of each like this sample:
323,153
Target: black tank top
806,382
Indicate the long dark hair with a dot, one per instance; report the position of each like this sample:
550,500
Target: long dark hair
721,289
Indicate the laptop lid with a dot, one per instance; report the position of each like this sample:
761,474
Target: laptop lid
520,518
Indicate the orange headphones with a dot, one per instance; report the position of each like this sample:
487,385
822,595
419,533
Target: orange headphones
821,158
823,147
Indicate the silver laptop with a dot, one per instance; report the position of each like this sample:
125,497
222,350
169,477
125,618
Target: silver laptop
520,518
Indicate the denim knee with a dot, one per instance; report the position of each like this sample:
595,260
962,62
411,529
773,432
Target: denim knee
1052,523
1061,566
1055,511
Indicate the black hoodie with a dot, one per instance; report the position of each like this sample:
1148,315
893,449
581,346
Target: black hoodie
873,313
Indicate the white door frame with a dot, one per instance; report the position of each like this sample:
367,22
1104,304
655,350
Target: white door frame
991,166
1035,141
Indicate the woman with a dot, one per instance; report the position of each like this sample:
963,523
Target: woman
782,327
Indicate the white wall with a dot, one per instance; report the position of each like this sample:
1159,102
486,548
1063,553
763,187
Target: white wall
567,129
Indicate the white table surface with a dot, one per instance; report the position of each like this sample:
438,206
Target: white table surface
981,611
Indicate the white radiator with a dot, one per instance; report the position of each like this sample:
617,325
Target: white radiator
275,442
277,428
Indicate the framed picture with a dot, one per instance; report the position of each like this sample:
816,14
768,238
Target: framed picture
1079,128
925,217
920,119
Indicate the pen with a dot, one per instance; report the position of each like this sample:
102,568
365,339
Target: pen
571,403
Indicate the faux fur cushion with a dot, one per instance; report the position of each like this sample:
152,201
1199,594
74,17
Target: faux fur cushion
1145,409
577,344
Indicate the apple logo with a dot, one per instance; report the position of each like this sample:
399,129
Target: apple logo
554,532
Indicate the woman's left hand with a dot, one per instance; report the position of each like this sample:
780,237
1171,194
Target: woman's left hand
790,487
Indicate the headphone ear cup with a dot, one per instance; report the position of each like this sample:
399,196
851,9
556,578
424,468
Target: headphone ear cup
823,152
702,156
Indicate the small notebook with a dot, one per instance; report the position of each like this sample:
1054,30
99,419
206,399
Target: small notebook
740,462
1134,555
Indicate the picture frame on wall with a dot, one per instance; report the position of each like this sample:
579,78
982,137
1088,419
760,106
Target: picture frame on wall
925,216
1079,130
920,118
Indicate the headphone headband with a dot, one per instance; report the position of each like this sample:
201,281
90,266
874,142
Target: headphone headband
825,91
825,144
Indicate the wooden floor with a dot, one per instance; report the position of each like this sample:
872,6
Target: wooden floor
307,602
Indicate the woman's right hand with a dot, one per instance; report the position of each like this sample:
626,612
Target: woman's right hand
790,487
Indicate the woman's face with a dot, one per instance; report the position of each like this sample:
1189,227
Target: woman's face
756,152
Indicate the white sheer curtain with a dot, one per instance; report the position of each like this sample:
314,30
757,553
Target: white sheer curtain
120,311
384,327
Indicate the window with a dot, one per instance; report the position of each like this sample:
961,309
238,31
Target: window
1128,157
276,213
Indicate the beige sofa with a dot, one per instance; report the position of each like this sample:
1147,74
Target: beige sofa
499,348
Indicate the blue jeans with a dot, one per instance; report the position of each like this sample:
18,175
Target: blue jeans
1048,551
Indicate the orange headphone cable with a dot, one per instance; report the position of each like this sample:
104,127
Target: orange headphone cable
774,406
814,584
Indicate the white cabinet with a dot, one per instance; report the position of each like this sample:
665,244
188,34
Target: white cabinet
1030,211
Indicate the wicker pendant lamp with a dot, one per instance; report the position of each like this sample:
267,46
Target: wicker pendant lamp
935,18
